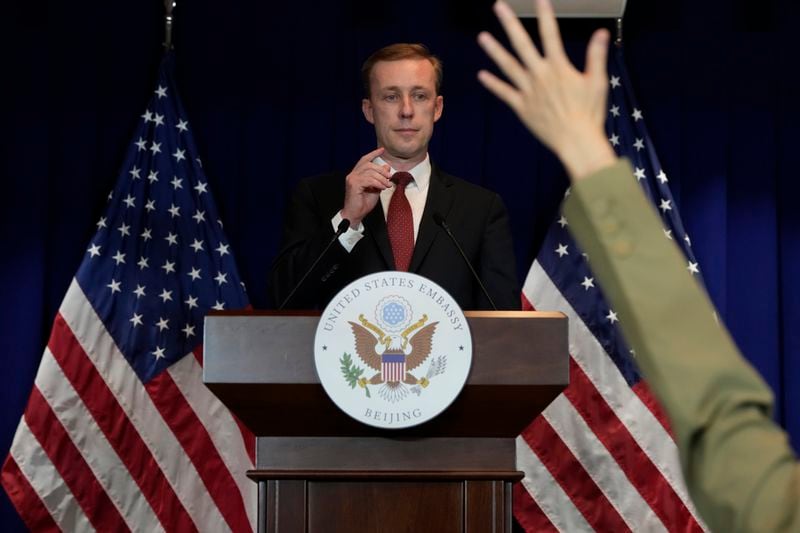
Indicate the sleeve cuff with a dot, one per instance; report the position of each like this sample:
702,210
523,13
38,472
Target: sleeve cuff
349,238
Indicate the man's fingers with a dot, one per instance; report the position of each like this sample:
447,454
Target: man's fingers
372,155
384,171
368,175
549,32
503,59
517,34
597,58
371,181
501,89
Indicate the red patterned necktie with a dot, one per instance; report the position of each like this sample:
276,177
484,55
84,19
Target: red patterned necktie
400,223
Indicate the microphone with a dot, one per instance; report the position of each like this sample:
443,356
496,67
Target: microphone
442,223
343,226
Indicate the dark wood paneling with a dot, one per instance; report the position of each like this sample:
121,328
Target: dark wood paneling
376,454
285,507
485,507
386,507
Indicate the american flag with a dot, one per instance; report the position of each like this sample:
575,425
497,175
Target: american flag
120,433
601,456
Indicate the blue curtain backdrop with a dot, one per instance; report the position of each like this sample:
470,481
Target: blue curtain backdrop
273,94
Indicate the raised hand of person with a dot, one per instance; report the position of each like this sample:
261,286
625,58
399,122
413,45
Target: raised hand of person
564,107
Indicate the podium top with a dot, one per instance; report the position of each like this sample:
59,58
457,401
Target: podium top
261,365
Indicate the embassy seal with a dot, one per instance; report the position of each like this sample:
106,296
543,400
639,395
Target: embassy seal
393,349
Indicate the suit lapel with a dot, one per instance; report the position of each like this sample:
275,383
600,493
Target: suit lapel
440,200
375,225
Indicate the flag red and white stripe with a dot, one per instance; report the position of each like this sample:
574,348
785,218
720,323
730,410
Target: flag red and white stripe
601,456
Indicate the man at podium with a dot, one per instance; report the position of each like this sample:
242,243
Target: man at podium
404,213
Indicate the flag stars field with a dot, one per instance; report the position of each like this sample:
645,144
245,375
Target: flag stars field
136,320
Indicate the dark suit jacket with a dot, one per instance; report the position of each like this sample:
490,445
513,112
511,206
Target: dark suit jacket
476,216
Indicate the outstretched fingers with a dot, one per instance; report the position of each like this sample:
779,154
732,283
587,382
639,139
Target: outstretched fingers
548,30
517,34
501,89
504,60
597,58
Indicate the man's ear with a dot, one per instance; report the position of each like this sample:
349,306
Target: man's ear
366,108
439,108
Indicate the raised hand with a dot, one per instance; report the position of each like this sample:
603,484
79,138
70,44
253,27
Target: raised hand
564,107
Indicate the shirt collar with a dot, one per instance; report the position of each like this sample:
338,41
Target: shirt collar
421,173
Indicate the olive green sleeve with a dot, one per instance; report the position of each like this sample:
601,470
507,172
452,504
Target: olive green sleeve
738,465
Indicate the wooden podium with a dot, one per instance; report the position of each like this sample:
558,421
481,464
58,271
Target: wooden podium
318,470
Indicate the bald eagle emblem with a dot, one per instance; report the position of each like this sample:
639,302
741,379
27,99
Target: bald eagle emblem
394,348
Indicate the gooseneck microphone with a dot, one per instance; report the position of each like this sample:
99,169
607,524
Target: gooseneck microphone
442,223
343,226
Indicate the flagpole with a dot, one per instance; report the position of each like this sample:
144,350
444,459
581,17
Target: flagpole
618,40
169,5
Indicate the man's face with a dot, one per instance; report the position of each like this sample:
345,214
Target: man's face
403,105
